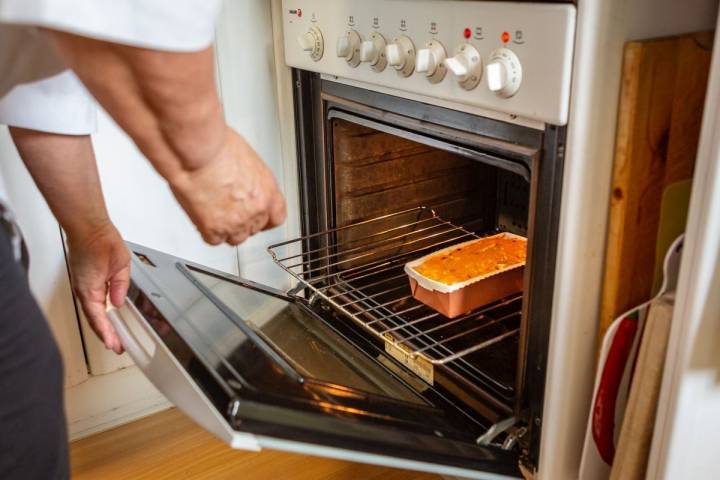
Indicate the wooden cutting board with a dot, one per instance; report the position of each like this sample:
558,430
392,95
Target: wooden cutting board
660,113
633,448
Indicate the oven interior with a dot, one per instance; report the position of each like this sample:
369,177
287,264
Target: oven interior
389,199
375,175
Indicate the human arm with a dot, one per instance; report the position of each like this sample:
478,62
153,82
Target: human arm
64,169
168,104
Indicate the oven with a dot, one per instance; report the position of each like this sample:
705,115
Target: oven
392,165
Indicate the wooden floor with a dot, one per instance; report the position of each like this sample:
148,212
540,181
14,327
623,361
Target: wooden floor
169,446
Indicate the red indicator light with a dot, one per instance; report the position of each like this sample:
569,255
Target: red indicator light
467,33
299,13
505,37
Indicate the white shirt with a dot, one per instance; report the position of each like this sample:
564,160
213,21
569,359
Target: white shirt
36,89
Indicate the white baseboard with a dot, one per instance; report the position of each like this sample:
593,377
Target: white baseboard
106,401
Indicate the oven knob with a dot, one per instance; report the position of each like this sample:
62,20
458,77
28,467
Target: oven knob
372,51
348,47
504,72
466,66
313,43
430,61
401,55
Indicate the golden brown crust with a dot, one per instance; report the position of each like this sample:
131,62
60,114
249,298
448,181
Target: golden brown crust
476,259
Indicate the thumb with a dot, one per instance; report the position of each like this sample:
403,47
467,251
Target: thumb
100,323
118,286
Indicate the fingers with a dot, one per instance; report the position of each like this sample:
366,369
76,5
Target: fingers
263,220
118,286
239,236
259,223
211,238
100,267
96,313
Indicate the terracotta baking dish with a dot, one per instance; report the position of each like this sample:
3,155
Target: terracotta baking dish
463,297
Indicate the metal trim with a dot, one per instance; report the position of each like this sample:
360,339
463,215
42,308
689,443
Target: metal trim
540,300
440,116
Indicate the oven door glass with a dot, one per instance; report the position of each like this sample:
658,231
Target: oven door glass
276,372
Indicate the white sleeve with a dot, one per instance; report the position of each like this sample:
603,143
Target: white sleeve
174,25
57,104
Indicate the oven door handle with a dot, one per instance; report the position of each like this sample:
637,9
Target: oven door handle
165,372
137,351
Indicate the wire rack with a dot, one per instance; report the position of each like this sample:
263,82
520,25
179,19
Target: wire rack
358,270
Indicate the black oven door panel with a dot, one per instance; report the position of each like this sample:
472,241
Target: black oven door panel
260,369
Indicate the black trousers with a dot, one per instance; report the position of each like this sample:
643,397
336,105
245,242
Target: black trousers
33,435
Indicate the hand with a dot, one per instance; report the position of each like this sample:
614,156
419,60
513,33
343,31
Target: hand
231,197
100,265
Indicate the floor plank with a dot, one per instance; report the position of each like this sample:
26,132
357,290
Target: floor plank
168,445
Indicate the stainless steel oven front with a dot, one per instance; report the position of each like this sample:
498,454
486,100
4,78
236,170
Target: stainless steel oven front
348,364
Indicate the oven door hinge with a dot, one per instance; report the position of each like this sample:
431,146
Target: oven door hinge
497,429
297,294
514,435
294,292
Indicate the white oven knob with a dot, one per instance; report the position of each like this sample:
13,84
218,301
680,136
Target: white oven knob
401,55
313,43
344,47
348,47
430,61
504,72
307,42
466,66
372,51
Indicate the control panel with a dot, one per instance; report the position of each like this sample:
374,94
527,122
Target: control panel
514,58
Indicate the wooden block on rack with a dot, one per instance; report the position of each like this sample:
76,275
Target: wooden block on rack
661,103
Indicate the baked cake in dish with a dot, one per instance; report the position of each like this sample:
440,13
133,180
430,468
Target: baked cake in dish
460,278
477,258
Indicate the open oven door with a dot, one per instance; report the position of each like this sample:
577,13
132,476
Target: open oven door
260,369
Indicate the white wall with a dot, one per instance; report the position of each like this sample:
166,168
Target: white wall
663,18
247,78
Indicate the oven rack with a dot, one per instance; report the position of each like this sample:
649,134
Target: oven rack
358,269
